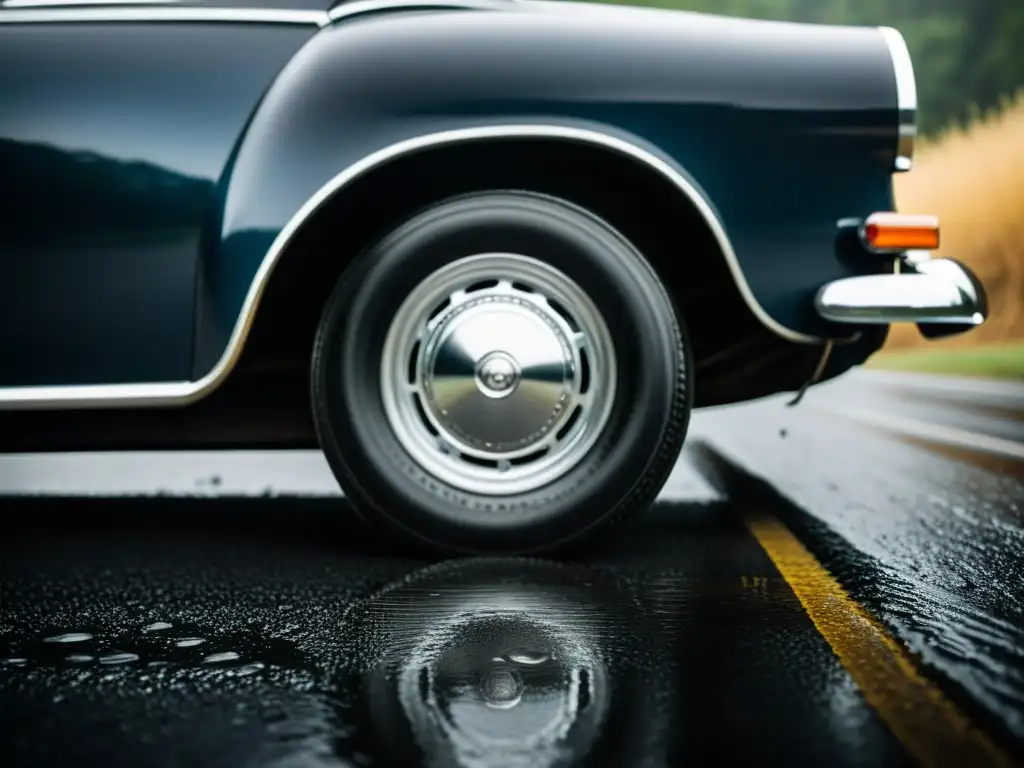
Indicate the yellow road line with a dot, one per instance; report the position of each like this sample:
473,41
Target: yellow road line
930,727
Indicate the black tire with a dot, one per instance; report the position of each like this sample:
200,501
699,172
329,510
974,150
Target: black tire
633,454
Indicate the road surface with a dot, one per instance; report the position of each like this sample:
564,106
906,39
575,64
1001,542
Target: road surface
838,583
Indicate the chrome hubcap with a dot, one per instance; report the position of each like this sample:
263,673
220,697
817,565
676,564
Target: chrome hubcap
502,348
498,374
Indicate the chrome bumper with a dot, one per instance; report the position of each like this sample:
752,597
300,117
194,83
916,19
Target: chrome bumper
939,291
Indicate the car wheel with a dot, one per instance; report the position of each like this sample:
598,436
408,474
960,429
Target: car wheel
503,372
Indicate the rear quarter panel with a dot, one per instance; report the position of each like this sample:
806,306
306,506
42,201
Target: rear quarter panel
785,127
140,190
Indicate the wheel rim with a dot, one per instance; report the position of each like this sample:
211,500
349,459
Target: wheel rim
498,374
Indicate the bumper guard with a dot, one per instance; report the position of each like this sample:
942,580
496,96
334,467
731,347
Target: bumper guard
930,291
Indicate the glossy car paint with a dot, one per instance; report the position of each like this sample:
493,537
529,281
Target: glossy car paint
785,128
113,140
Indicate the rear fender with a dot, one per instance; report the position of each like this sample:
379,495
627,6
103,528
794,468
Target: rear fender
773,131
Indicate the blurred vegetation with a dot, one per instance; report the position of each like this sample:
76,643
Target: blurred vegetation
973,179
968,54
997,361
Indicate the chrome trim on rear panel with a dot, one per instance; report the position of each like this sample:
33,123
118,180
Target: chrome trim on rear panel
906,97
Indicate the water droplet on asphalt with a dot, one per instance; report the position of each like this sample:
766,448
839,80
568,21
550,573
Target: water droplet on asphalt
119,658
214,658
69,637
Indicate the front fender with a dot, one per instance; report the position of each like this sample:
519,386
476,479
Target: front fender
782,130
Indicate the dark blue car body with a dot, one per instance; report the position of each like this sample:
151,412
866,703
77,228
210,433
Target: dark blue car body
166,170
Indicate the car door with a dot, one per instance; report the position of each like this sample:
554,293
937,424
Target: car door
116,125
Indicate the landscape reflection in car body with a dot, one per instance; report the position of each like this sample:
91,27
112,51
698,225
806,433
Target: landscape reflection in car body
487,254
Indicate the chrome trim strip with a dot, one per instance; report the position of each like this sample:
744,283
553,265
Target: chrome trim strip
184,393
906,97
358,7
170,10
69,3
84,11
149,13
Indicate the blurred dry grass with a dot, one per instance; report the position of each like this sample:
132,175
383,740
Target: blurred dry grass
973,179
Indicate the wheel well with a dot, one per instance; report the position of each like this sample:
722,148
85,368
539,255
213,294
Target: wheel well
736,357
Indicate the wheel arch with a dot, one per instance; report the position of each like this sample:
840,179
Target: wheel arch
654,203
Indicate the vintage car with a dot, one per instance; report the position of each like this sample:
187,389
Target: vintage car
487,254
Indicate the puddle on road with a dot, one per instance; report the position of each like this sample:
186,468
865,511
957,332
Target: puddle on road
492,661
511,662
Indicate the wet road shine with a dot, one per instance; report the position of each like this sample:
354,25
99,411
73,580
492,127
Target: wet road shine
926,722
188,638
154,643
845,614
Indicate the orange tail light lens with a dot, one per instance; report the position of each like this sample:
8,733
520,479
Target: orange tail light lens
883,232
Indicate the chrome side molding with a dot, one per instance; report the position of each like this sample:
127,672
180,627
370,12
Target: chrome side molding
936,291
155,12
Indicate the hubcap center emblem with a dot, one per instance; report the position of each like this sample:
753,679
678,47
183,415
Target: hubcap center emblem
497,374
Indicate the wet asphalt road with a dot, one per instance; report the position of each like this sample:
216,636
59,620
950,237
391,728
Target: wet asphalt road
839,583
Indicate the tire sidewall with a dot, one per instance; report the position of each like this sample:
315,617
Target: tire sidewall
349,411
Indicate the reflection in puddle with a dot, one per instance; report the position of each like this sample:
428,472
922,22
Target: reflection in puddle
488,662
460,691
